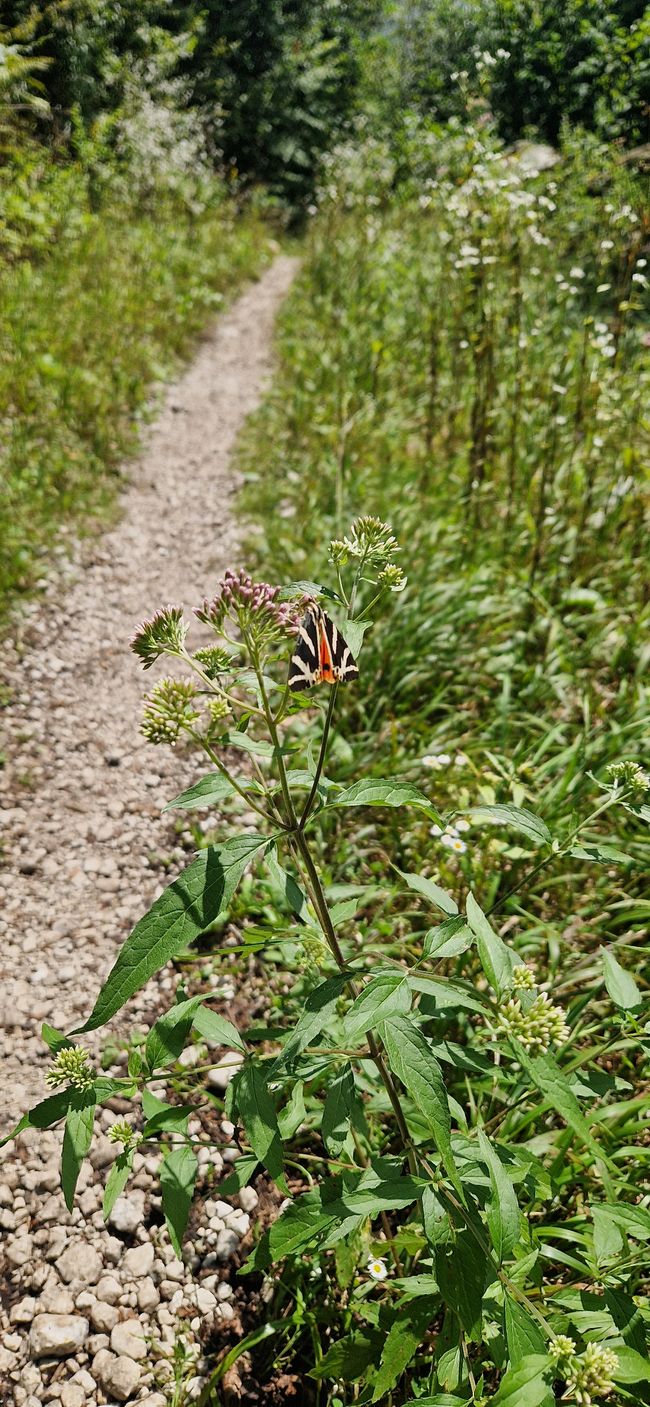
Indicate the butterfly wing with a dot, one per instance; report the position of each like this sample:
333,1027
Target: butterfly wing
321,656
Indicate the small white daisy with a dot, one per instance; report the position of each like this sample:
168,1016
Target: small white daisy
461,825
453,842
461,759
377,1268
436,760
435,829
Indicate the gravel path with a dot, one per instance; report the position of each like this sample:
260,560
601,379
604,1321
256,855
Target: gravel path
85,850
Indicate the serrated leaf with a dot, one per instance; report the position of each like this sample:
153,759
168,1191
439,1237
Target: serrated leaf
620,983
387,994
245,743
547,1076
207,792
403,1341
369,792
304,1221
632,1366
448,940
497,960
177,1179
217,1029
608,1240
603,854
527,1385
503,1216
186,908
50,1111
286,885
448,995
294,1112
462,1272
337,1111
430,891
515,817
319,1008
523,1334
77,1138
257,1113
411,1059
350,1356
168,1035
242,1172
171,1119
117,1180
56,1040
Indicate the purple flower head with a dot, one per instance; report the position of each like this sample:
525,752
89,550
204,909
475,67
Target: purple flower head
253,605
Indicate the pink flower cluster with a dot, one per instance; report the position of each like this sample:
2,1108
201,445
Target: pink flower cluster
251,602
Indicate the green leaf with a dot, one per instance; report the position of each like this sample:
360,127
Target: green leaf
430,891
337,1111
547,1076
387,994
369,792
242,1172
523,1334
634,1220
403,1341
208,792
527,1385
448,995
462,1272
257,1113
391,1194
319,1008
247,744
173,1118
497,960
304,1221
503,1208
56,1040
217,1029
286,884
620,983
294,1112
411,1059
448,940
168,1035
353,632
117,1180
517,818
177,1179
604,854
632,1366
77,1138
608,1239
350,1356
186,908
43,1115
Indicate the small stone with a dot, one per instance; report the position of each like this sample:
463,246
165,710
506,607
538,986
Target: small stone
227,1066
227,1244
204,1299
104,1317
128,1338
113,1249
84,1380
155,1399
128,1212
20,1251
23,1312
57,1334
73,1395
118,1376
97,1342
56,1300
175,1270
248,1199
239,1222
138,1261
108,1289
148,1296
80,1262
225,1311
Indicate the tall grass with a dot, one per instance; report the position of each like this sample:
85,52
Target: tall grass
95,305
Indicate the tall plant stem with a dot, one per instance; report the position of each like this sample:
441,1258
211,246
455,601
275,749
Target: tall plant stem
321,757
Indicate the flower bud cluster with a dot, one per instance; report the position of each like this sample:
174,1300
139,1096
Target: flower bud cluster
630,774
123,1132
537,1027
522,978
253,605
370,539
588,1375
213,661
71,1067
168,710
163,634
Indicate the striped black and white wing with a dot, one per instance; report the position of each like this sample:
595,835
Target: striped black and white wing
305,661
343,666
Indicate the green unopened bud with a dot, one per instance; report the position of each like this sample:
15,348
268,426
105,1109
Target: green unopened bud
561,1349
123,1132
536,1028
631,775
523,978
169,709
392,578
591,1375
214,661
163,634
370,539
71,1067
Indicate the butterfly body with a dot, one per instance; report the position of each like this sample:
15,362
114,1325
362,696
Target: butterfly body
321,656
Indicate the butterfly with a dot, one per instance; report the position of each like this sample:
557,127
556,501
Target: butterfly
322,655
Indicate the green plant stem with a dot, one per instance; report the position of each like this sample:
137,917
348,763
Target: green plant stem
321,757
221,767
216,688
